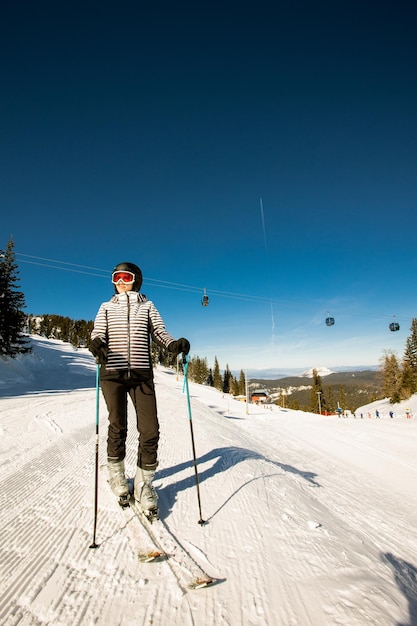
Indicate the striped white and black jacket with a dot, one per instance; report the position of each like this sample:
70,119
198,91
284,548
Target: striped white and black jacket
126,323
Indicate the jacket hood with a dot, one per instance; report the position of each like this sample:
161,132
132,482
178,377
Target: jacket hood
132,296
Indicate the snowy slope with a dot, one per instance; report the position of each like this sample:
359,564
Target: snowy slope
311,519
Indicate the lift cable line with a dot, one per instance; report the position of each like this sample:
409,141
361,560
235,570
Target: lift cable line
40,258
101,273
88,270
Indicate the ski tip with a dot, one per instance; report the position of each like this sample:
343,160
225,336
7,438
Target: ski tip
153,555
200,583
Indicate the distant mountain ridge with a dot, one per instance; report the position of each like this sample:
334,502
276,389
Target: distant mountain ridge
333,378
275,373
359,387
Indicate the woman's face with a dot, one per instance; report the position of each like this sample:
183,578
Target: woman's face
122,287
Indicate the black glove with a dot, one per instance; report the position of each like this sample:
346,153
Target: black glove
181,345
98,348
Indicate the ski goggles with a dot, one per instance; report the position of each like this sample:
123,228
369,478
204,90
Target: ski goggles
128,278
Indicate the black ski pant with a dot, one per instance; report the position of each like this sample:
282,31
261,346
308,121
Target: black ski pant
116,386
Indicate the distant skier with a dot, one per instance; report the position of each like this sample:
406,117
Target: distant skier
120,341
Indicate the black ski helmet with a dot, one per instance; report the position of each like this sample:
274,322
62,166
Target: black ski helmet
130,267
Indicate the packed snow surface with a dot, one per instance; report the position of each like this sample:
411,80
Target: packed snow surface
311,520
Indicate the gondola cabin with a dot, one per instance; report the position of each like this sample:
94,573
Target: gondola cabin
205,299
394,326
329,321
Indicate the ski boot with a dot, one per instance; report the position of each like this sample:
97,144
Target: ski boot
118,482
145,494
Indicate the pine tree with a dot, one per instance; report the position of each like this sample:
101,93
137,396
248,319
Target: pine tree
81,331
408,381
198,370
12,317
281,398
342,397
391,377
157,353
227,375
410,360
331,405
210,378
217,378
242,384
234,386
316,394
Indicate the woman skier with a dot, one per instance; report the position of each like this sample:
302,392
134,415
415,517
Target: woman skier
120,341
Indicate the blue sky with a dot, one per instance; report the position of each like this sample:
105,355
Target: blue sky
152,134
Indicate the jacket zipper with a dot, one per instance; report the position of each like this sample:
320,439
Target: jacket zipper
128,335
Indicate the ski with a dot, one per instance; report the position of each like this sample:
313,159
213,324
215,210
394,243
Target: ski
152,555
189,574
166,547
199,583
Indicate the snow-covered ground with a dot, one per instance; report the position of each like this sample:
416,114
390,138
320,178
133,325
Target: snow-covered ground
311,519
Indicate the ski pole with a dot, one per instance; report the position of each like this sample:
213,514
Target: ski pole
185,363
94,544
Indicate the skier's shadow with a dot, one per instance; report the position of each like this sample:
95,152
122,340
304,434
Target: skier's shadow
405,576
220,460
